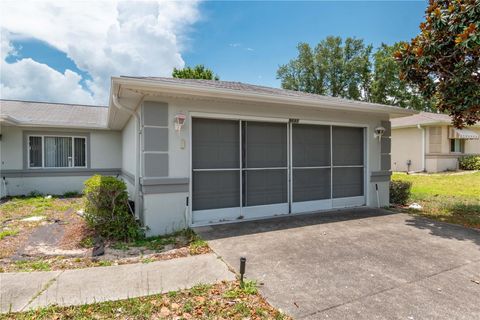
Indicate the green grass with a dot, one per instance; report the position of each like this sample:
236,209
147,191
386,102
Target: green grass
200,302
448,197
27,266
8,233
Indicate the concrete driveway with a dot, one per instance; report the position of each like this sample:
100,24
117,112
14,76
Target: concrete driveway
358,264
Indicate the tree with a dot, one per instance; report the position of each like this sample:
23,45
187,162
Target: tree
333,68
388,88
197,72
443,61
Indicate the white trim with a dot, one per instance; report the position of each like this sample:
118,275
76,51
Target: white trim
267,210
311,206
220,169
333,123
348,202
215,215
237,117
42,136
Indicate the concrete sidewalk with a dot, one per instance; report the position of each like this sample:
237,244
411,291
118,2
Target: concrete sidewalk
24,291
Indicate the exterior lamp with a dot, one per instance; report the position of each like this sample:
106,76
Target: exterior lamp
378,133
179,121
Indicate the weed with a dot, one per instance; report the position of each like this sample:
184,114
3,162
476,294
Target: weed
27,265
8,233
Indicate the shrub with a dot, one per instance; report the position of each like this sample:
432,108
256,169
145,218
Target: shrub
106,209
469,163
400,192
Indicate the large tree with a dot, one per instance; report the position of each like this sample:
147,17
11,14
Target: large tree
197,72
388,88
443,61
334,68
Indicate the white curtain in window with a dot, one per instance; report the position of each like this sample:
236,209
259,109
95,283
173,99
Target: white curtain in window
58,152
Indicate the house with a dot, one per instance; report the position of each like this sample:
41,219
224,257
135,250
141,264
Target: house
428,142
199,152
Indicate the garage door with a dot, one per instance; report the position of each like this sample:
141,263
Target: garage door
327,167
242,169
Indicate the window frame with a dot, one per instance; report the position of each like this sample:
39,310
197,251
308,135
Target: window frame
72,138
461,146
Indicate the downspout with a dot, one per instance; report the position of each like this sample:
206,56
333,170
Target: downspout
138,130
423,146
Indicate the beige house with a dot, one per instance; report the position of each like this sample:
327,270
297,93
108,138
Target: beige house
428,142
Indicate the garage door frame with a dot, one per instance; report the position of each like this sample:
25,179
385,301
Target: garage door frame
336,203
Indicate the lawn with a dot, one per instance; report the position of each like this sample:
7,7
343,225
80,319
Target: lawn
226,300
448,197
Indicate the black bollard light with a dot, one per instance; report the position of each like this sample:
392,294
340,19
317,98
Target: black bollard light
243,261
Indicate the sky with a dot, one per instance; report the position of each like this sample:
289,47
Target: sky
66,51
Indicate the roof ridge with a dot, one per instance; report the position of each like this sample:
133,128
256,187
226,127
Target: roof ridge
57,103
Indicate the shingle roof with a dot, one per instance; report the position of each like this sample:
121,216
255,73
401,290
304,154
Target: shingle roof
54,114
421,118
250,88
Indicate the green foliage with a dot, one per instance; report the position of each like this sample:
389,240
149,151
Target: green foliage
469,163
334,68
400,192
27,265
197,72
71,194
8,233
106,209
443,61
388,88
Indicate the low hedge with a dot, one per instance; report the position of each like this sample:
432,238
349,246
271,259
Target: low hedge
469,163
107,211
400,192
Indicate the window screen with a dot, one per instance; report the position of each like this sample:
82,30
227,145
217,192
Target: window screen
215,144
347,145
347,182
216,189
311,145
79,151
263,187
35,152
58,152
264,145
311,184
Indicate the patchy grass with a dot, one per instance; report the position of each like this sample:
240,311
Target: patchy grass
77,237
28,266
447,197
184,238
14,210
8,233
200,302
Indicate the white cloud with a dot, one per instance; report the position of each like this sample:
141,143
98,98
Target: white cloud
104,38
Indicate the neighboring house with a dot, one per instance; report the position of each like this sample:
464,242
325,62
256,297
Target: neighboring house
428,142
198,152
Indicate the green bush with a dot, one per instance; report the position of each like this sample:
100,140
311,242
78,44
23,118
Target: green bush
469,163
107,211
400,192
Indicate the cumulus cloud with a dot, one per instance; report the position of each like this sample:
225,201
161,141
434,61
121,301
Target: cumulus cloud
104,38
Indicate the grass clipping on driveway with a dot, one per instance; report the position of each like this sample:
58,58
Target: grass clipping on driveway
225,300
447,197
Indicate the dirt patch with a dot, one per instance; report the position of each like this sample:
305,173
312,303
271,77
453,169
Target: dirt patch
41,234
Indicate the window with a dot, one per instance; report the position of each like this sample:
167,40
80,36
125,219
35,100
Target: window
57,152
457,145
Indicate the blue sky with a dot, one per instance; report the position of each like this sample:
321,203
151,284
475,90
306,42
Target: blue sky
248,41
240,41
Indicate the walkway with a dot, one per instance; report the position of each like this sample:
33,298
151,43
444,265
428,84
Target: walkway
24,291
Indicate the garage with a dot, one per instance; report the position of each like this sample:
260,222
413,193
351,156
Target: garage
249,169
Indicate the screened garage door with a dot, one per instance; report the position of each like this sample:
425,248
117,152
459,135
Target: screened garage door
251,169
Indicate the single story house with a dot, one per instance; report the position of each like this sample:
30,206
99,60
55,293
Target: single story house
428,142
199,152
